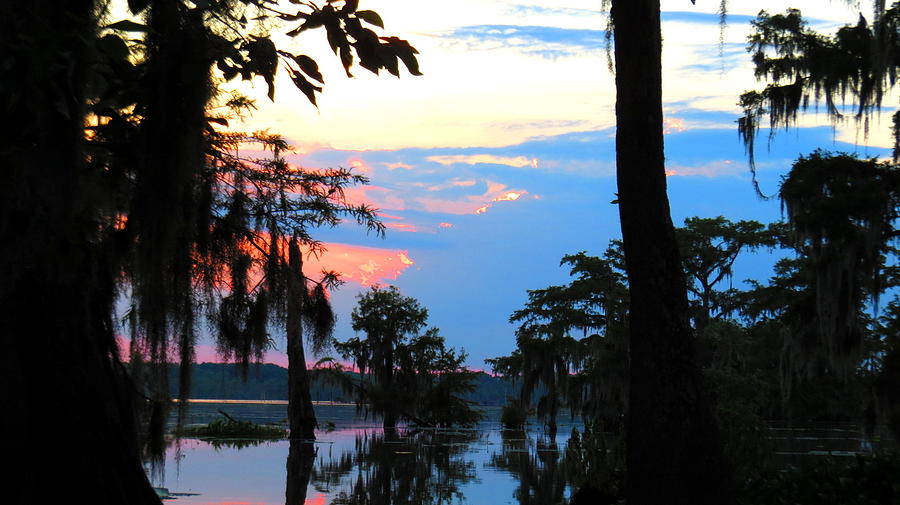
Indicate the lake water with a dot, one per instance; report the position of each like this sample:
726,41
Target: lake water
357,462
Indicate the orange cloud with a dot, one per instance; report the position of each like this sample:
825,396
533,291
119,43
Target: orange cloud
365,265
477,204
360,166
446,225
509,196
673,125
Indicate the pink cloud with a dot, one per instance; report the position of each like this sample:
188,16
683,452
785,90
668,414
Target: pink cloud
365,265
376,196
401,227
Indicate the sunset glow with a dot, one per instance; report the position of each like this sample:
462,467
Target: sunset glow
508,197
364,265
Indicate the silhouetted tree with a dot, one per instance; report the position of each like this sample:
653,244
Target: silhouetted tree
119,184
405,374
673,449
709,248
550,359
857,65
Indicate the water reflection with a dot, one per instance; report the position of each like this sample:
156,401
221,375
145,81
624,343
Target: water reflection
301,456
399,467
540,471
359,463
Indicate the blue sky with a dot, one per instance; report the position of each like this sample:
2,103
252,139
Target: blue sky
500,160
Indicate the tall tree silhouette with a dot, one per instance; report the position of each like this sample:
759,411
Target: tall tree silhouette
673,449
858,64
58,289
148,200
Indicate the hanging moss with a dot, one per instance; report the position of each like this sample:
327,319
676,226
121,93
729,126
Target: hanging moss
843,211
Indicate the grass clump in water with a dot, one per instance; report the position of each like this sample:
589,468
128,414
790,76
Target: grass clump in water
232,428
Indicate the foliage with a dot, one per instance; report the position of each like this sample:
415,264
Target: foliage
842,211
862,480
404,373
547,356
709,247
514,415
801,66
231,428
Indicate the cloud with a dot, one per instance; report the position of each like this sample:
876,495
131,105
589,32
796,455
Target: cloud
673,125
360,166
445,225
708,18
401,227
472,204
394,166
544,41
365,265
377,196
717,168
452,184
474,159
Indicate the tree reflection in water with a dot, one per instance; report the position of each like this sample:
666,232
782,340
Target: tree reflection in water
301,455
399,467
541,472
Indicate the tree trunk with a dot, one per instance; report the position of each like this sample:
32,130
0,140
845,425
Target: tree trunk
387,385
673,451
301,415
69,424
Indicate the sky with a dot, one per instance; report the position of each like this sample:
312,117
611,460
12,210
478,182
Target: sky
500,159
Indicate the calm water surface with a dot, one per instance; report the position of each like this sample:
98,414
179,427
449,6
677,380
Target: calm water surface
357,462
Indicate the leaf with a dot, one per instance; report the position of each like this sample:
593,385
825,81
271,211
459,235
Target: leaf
113,46
350,6
308,88
137,6
346,59
370,17
309,67
406,53
218,120
127,25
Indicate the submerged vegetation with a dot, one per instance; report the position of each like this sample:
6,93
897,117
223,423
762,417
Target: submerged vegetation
228,428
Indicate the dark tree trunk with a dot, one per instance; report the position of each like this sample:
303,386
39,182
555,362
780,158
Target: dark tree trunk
673,451
387,386
301,415
69,413
301,456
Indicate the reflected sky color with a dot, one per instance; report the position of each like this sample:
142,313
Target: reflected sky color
500,159
461,460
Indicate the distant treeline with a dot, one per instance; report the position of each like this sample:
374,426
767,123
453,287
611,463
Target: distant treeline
269,382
